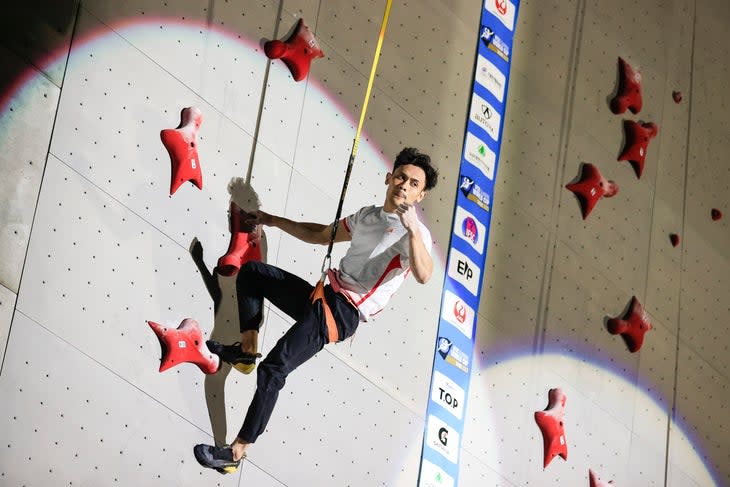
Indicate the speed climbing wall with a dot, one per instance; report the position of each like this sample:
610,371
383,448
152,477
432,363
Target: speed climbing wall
93,244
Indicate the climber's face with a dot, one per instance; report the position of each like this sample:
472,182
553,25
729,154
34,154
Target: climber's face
406,184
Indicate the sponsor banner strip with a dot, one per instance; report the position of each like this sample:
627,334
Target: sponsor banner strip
453,355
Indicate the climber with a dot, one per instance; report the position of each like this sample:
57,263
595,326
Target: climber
387,243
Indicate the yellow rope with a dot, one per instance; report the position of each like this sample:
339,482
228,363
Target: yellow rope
356,142
372,76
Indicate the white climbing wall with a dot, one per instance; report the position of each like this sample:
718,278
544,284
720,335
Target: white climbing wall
92,245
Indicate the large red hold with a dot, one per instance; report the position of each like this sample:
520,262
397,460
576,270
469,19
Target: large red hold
297,51
629,89
245,244
632,327
184,344
638,136
181,144
591,187
550,422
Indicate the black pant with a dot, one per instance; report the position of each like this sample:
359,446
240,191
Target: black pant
306,337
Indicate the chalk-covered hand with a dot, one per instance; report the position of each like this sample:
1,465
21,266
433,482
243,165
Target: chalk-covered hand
258,217
408,217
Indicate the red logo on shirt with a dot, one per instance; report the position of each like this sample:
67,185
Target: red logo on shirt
501,6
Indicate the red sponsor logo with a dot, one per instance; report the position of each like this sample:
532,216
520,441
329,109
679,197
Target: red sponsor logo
501,6
460,311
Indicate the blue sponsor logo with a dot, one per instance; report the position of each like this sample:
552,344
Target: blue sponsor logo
495,43
473,192
452,354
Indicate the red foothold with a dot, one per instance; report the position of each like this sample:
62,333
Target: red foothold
715,214
591,187
181,144
674,238
184,344
629,90
638,136
297,51
677,96
245,244
632,327
550,422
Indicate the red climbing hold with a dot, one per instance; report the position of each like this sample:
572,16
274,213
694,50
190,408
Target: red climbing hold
184,344
638,136
674,238
677,96
297,51
597,482
183,149
245,244
715,214
550,422
632,326
629,89
591,187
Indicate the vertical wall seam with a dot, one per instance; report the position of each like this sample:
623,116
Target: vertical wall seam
301,114
672,411
255,135
649,252
653,199
262,99
564,138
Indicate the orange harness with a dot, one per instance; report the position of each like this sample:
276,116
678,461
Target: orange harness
318,294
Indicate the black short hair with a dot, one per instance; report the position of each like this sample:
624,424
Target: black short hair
411,155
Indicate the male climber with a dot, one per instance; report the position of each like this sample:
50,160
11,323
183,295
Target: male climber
387,242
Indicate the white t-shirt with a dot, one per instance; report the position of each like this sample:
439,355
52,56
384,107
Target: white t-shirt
377,262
